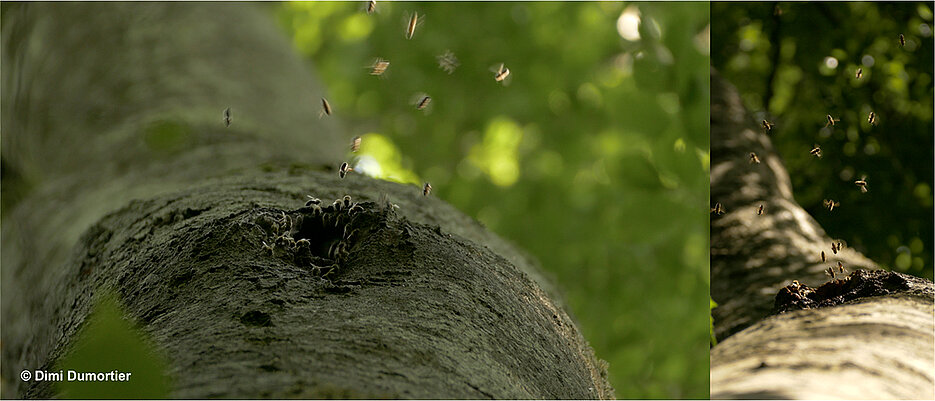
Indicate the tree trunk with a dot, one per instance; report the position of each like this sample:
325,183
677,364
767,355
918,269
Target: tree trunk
869,334
120,175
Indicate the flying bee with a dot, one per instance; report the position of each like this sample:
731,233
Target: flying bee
902,40
754,159
872,119
841,268
831,120
312,201
759,210
379,66
834,248
501,73
717,209
768,125
860,72
822,256
831,204
414,21
422,101
426,189
355,144
227,117
862,183
344,169
830,272
371,6
325,108
840,245
816,151
448,61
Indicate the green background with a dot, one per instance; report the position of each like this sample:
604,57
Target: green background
594,157
783,67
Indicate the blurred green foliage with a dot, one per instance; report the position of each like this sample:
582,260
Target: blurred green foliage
795,63
593,156
109,342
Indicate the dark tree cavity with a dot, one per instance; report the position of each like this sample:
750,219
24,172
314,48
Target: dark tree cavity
866,333
127,179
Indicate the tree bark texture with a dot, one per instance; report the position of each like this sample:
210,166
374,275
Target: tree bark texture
786,329
130,182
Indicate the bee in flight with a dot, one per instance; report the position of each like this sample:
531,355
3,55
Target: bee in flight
830,272
325,108
379,66
816,151
426,189
754,159
717,209
227,117
768,125
344,169
831,120
841,268
834,248
371,6
759,210
423,103
831,204
872,119
862,183
822,256
902,40
860,72
414,21
501,73
355,144
448,62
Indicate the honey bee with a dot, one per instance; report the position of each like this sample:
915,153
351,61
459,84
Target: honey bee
426,189
831,120
816,151
902,40
717,209
830,272
834,248
501,73
344,169
768,125
754,159
347,201
840,245
413,23
371,6
448,61
379,66
312,201
860,72
831,204
759,210
227,117
862,183
872,119
841,268
355,144
822,256
325,108
423,103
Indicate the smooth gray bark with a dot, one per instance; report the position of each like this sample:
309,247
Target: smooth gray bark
127,180
865,347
